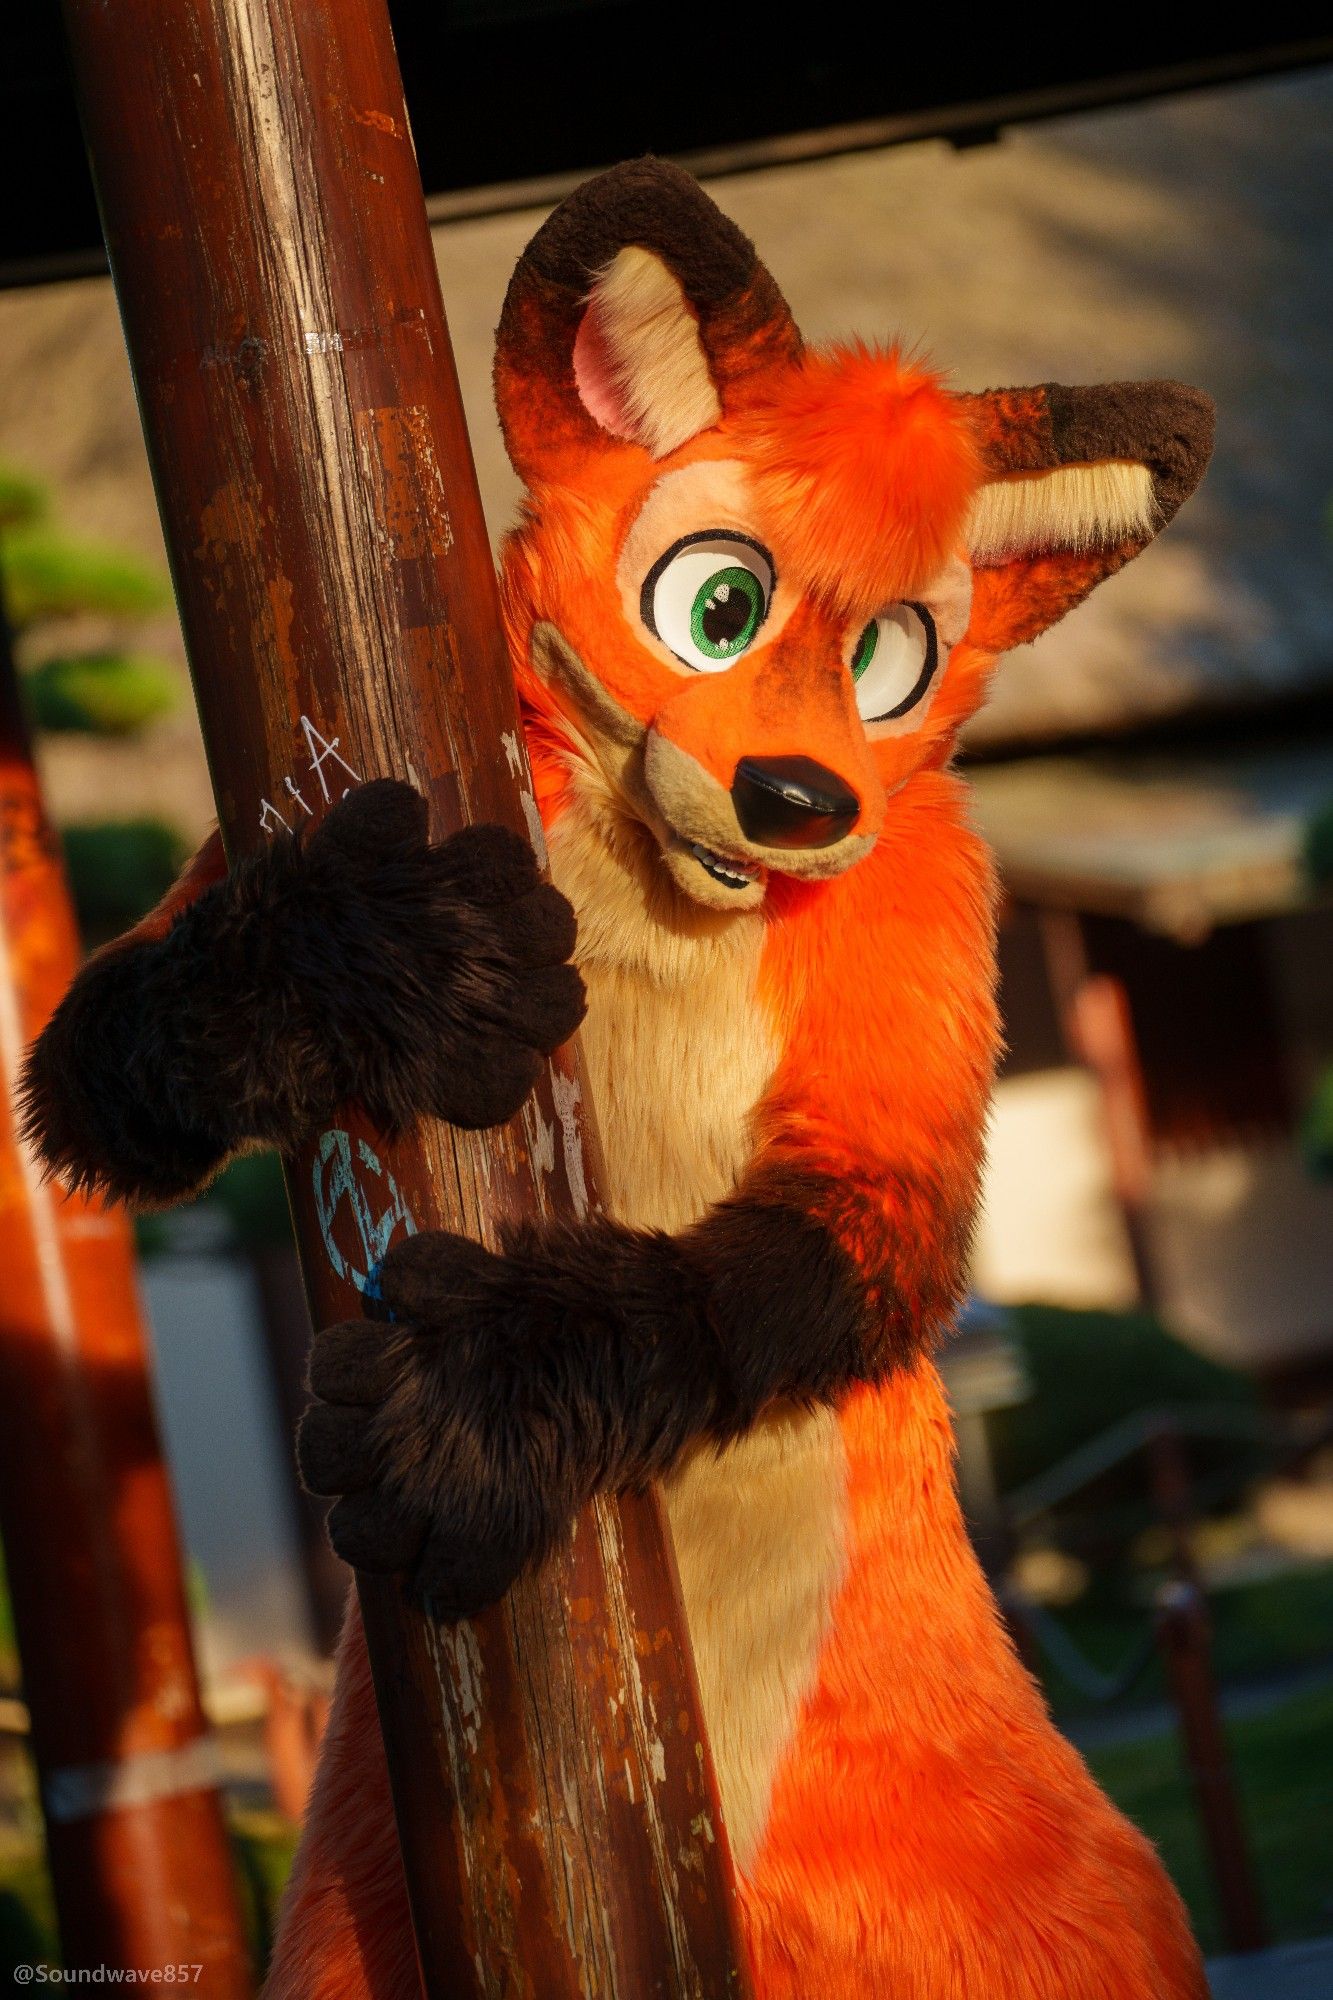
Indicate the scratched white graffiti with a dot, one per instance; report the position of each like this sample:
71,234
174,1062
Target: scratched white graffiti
326,752
323,750
340,1187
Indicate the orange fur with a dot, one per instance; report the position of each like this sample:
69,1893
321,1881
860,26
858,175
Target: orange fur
932,1836
1016,601
865,466
902,945
928,1834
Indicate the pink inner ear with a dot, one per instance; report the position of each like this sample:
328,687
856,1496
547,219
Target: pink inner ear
595,380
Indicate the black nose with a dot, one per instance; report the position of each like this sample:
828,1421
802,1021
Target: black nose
792,802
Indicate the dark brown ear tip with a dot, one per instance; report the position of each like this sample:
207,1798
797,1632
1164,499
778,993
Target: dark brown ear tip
1167,425
1180,408
1196,414
652,203
1185,421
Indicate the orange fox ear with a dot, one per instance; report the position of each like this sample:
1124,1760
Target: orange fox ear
1078,481
638,311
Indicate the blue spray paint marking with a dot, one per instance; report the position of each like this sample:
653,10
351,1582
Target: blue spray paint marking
338,1181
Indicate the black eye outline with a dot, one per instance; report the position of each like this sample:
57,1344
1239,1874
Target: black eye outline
929,666
668,556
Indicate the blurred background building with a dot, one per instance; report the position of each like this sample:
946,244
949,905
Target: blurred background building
1157,777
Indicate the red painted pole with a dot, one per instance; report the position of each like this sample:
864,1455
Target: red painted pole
138,1851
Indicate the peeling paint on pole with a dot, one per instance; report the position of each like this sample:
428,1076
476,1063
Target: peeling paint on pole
559,1826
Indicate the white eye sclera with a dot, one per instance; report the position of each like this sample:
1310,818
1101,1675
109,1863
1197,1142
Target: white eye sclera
707,597
893,662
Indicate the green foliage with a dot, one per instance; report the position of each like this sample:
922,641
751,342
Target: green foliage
1317,1129
49,575
22,500
1318,846
27,1913
108,694
254,1195
264,1845
118,869
1281,1762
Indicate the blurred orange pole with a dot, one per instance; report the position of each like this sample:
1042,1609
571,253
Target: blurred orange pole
138,1851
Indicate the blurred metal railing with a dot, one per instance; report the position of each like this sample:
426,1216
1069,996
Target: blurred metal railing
1295,1437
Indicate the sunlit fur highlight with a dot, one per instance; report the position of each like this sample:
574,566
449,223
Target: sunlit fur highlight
1076,507
638,361
867,467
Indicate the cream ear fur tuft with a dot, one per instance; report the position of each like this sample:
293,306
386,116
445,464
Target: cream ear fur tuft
1073,507
638,359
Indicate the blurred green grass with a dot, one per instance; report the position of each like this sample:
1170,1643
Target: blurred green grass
1281,1762
117,870
1089,1371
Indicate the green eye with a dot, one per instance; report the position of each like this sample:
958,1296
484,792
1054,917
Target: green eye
707,597
726,611
865,649
893,662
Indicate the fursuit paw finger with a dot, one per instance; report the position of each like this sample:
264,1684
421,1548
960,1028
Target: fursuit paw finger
547,1008
540,928
356,1362
374,1531
384,816
458,1577
487,865
334,1449
429,1276
491,1086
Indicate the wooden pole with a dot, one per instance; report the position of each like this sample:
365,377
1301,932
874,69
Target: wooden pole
1186,1642
137,1848
264,218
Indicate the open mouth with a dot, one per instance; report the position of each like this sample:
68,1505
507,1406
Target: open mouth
733,874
